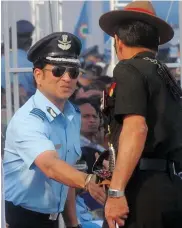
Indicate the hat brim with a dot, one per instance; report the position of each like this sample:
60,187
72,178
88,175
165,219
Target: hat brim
110,20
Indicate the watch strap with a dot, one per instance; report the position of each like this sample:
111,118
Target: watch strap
114,193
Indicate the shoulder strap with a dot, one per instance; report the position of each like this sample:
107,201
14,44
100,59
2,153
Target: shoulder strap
38,113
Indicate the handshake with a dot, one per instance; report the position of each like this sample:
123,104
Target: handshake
97,182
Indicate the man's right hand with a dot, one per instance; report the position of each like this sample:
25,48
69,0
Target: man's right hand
97,192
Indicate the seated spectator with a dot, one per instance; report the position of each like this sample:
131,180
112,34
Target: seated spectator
90,148
90,124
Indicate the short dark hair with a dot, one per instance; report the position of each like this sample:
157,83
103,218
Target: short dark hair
91,101
138,34
40,64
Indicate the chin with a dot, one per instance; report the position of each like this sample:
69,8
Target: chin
65,96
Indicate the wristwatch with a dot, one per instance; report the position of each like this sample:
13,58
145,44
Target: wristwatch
113,193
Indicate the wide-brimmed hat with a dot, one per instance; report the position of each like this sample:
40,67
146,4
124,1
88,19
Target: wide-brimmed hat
137,10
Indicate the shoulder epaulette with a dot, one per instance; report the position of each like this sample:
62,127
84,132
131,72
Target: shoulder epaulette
39,113
76,107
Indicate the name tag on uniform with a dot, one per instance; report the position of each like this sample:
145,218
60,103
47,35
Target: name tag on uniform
53,216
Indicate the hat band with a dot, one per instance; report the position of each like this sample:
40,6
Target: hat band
140,10
76,61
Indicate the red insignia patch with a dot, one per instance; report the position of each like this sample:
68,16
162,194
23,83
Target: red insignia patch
111,89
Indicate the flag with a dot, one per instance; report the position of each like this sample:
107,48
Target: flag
82,26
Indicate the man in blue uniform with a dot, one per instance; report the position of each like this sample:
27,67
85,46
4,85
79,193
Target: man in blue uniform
43,140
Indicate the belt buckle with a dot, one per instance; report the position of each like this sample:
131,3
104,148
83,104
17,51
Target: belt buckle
53,216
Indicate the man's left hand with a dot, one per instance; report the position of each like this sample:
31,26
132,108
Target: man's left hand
116,211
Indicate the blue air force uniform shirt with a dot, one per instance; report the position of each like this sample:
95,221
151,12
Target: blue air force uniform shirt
36,127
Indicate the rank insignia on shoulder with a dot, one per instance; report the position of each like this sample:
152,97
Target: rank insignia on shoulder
111,89
39,113
51,112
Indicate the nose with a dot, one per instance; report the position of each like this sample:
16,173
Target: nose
66,77
91,119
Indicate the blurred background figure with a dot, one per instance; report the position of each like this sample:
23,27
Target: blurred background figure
95,88
92,138
92,55
164,53
24,41
26,82
90,124
3,119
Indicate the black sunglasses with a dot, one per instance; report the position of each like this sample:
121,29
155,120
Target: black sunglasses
59,71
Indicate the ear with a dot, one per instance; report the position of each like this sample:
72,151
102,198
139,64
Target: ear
116,37
38,75
119,43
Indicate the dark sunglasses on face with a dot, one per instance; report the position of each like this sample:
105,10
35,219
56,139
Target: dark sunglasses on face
59,71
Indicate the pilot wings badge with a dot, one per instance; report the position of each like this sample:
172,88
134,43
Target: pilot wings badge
64,44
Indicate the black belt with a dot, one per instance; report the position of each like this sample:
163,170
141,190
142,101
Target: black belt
9,206
153,164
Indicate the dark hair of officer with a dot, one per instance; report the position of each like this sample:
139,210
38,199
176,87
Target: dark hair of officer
138,34
40,64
